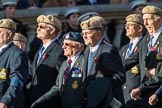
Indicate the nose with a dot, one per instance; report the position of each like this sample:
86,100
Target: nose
145,22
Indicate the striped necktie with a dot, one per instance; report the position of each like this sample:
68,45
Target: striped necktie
129,50
40,54
66,73
150,44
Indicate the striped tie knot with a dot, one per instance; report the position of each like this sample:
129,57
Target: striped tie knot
129,50
150,44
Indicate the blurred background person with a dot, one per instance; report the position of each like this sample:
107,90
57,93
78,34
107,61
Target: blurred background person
71,25
138,5
9,9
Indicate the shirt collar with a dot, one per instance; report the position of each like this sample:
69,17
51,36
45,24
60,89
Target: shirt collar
156,35
5,46
94,49
49,43
74,58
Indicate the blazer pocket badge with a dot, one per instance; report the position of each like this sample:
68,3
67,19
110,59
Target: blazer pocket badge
3,74
75,85
99,74
134,70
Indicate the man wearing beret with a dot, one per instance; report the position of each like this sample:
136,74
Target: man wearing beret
13,67
103,67
146,55
48,58
20,41
69,83
134,31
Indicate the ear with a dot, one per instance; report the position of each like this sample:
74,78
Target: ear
140,28
10,35
53,31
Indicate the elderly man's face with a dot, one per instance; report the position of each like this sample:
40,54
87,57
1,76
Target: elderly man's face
91,37
70,48
132,29
4,36
151,23
44,31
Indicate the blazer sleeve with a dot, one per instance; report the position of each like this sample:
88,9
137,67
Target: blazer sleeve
110,64
17,76
52,93
154,82
158,92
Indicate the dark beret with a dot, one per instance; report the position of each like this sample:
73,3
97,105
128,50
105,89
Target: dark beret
74,36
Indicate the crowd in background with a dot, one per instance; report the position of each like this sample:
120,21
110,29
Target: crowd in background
35,4
77,64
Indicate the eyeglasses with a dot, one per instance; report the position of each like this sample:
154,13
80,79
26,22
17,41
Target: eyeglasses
90,32
43,27
130,24
67,44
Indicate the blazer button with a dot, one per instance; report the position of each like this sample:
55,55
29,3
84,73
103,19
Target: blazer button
124,87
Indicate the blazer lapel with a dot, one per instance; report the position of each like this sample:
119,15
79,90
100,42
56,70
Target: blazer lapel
157,43
61,73
86,60
98,52
46,53
80,63
3,50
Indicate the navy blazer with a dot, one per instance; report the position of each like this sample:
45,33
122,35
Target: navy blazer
132,75
44,73
109,63
148,86
13,75
73,94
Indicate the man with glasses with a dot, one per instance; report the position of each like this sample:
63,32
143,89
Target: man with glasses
49,57
103,67
69,83
134,31
146,56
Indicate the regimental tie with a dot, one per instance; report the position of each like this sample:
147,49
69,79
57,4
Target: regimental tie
40,54
150,44
90,60
66,74
129,50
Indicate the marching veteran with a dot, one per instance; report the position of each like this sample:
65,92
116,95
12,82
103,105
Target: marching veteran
13,67
69,83
48,58
134,31
103,67
146,55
